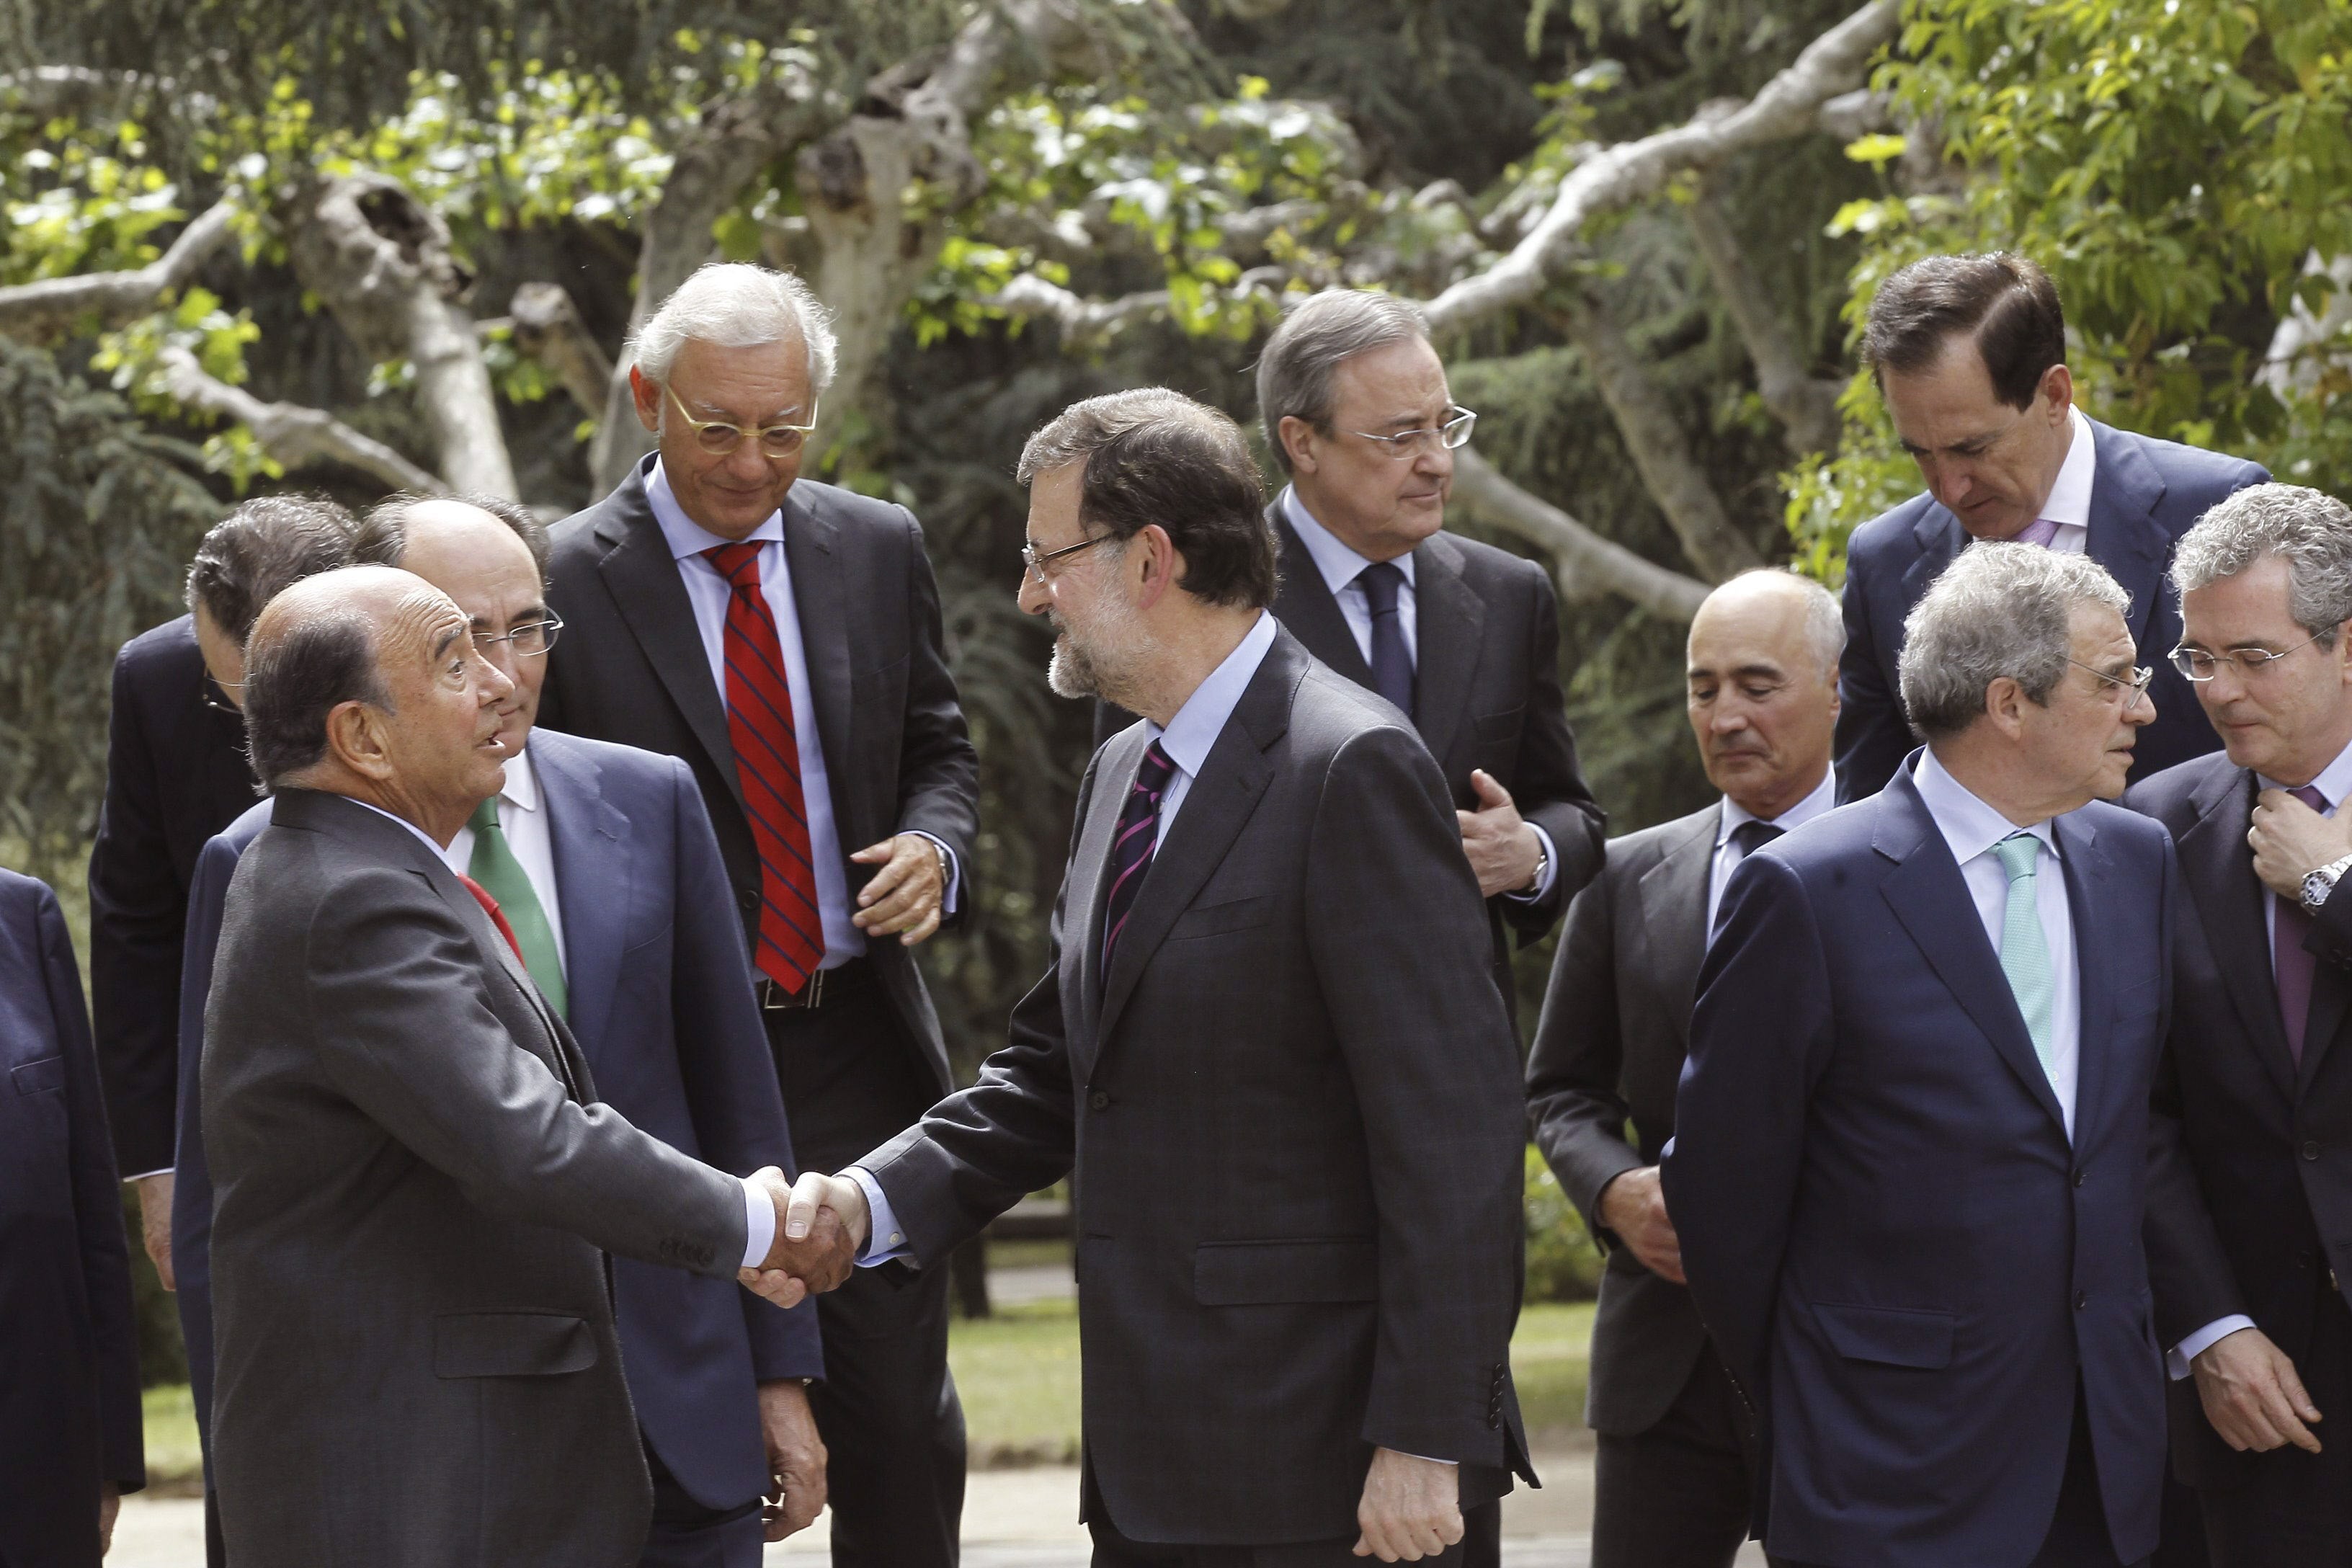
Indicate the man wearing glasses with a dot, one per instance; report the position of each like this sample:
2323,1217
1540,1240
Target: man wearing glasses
783,639
2260,1069
1969,352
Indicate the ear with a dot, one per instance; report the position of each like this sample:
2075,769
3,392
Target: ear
648,394
2058,386
2005,704
358,738
1161,564
1301,440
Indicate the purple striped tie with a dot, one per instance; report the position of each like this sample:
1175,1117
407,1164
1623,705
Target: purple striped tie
1131,852
2291,965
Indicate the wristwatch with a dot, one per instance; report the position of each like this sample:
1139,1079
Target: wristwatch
2319,884
1542,860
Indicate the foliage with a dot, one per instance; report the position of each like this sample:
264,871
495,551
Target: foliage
1563,1263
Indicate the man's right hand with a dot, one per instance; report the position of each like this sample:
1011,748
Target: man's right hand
155,1223
2252,1394
1633,1205
821,1223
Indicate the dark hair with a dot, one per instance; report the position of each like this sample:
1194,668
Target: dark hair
382,537
297,679
1156,455
2002,301
261,549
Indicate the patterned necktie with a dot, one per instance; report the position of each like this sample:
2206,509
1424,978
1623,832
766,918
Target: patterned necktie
2291,965
1749,838
2041,530
1131,852
493,866
2025,945
1391,665
498,916
768,764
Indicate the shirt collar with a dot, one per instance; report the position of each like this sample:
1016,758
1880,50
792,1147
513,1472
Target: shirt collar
1968,826
1338,563
1197,725
2335,780
687,537
412,827
2070,495
521,788
1823,797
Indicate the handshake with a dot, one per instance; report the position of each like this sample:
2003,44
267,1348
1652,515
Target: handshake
821,1228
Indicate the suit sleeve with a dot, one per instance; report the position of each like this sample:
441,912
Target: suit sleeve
1398,936
1575,1107
1873,737
939,771
1551,790
722,1056
1760,1039
98,1211
415,1047
137,920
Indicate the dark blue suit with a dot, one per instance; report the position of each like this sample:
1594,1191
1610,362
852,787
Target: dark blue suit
69,1358
660,1002
1908,1267
2146,495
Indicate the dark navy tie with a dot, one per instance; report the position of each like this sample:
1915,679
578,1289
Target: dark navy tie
2291,968
1392,663
1131,852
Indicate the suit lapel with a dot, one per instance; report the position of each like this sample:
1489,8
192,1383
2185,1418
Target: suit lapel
820,598
595,881
1446,625
1085,887
2122,538
1939,537
1672,896
2331,999
2090,886
2235,915
1307,609
642,577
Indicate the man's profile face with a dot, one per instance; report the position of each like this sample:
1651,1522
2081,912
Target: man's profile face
1083,595
1762,703
487,572
2287,719
442,734
1378,505
1990,465
2081,739
751,387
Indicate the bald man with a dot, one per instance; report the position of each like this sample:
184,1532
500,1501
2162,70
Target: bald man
1671,1473
414,1175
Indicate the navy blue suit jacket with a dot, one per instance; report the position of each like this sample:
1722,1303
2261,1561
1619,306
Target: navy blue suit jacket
660,1002
2146,494
69,1358
1902,1259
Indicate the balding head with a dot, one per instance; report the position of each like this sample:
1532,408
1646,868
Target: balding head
490,556
1763,658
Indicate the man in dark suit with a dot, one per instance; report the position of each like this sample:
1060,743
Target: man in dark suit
69,1438
412,1174
782,638
1267,1052
175,775
1463,638
1969,352
2259,1068
1911,1147
603,861
1671,1475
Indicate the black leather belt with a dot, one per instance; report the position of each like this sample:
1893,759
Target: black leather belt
826,988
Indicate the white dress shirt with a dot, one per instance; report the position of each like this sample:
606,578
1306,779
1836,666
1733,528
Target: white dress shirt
1822,797
524,824
2069,505
708,592
1340,566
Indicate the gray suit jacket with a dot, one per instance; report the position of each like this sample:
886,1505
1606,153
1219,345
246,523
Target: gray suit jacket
416,1354
1294,1113
1609,1049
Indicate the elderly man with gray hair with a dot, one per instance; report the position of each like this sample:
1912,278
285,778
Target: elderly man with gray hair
1911,1147
2260,1064
782,637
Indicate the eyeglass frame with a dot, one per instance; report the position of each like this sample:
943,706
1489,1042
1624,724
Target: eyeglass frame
1035,559
801,433
2183,658
1464,419
551,622
2142,678
226,687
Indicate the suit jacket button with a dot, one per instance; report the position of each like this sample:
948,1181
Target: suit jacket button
2081,1176
2310,1149
2082,1299
1099,1100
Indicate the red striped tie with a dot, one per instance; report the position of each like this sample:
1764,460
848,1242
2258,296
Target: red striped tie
1138,836
768,761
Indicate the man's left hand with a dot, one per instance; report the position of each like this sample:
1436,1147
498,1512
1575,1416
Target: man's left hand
904,898
1502,849
795,1459
2291,841
1412,1507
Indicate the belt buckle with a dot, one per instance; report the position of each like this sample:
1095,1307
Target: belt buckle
774,998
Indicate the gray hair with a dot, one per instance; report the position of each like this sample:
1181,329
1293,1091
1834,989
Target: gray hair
1824,621
736,305
2308,529
1293,374
2001,609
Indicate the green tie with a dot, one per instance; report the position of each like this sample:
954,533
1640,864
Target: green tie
494,866
2024,947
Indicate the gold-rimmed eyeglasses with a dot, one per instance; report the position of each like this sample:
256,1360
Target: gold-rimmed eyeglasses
1406,445
719,438
2201,665
2135,686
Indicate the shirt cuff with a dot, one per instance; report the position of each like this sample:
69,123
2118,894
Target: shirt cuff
758,1223
1546,877
159,1171
955,872
884,1238
2204,1339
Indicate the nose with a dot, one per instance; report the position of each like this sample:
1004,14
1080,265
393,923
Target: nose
496,685
1032,598
1435,460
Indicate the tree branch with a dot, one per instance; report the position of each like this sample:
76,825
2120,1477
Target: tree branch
44,311
1805,405
292,436
547,328
1612,177
1583,560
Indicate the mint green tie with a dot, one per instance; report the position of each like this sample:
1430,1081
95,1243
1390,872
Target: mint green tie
2024,946
494,866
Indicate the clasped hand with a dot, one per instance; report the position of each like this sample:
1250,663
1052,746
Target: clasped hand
821,1226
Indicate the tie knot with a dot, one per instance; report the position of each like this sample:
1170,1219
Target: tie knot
2019,854
739,563
1751,836
2041,530
2309,794
485,816
1382,580
1157,768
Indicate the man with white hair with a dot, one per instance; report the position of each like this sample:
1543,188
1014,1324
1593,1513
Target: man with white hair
782,637
1913,1145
